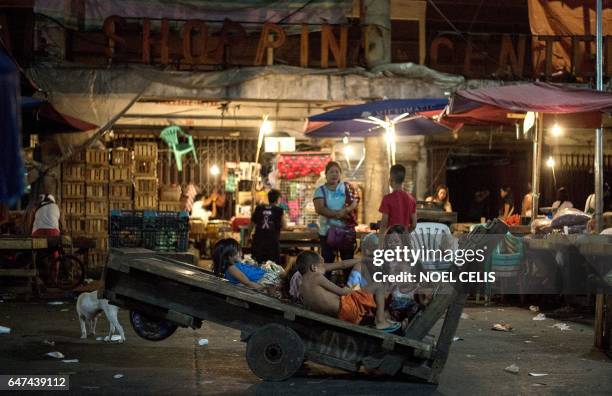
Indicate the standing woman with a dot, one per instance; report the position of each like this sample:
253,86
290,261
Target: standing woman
506,207
336,203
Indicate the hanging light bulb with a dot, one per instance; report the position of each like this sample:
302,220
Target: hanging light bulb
550,162
345,140
348,152
214,170
557,130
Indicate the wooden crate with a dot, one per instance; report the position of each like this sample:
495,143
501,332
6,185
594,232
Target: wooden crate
96,224
96,190
96,207
101,241
73,172
145,201
120,173
75,224
145,168
145,185
96,157
96,174
121,156
96,259
171,206
120,191
73,190
120,204
73,206
147,151
77,157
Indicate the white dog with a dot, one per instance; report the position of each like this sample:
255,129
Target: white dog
88,308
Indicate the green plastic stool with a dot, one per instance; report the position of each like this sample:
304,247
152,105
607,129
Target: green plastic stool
170,135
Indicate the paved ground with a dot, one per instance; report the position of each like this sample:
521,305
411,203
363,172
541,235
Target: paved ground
178,366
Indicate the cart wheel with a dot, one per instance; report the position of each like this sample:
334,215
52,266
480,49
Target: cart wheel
274,352
151,329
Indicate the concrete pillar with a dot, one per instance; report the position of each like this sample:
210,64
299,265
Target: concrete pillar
376,183
376,20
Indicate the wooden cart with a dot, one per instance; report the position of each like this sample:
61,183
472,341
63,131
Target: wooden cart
163,293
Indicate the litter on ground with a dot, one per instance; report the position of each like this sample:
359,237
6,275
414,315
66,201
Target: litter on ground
534,308
55,303
70,360
502,327
537,374
513,368
117,376
561,326
55,354
539,316
202,342
5,330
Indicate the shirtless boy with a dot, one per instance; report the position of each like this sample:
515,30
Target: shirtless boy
322,296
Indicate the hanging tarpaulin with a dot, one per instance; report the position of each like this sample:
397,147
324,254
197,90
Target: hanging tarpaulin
292,166
90,14
563,19
12,173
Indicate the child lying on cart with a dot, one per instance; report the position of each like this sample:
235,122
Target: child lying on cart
229,264
321,295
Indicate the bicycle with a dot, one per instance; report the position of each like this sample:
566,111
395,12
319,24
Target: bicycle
60,269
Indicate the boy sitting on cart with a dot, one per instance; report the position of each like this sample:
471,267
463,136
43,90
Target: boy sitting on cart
321,295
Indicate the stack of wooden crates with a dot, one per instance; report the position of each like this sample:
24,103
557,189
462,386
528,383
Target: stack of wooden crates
145,176
90,189
96,203
120,177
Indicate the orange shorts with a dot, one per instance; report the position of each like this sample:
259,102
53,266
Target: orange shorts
356,306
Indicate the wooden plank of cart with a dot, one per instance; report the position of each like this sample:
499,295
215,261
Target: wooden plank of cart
163,293
597,249
15,244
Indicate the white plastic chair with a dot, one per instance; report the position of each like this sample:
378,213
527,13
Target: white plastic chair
433,236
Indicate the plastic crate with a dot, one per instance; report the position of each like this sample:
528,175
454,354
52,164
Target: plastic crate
145,151
120,204
96,157
73,172
73,190
146,185
77,157
121,173
96,207
96,175
101,240
121,156
156,230
96,190
73,207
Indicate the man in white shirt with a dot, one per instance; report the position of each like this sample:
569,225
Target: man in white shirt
48,219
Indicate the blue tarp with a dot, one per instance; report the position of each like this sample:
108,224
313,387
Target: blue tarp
12,175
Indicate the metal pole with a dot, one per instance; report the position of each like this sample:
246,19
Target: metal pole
535,172
602,335
599,133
